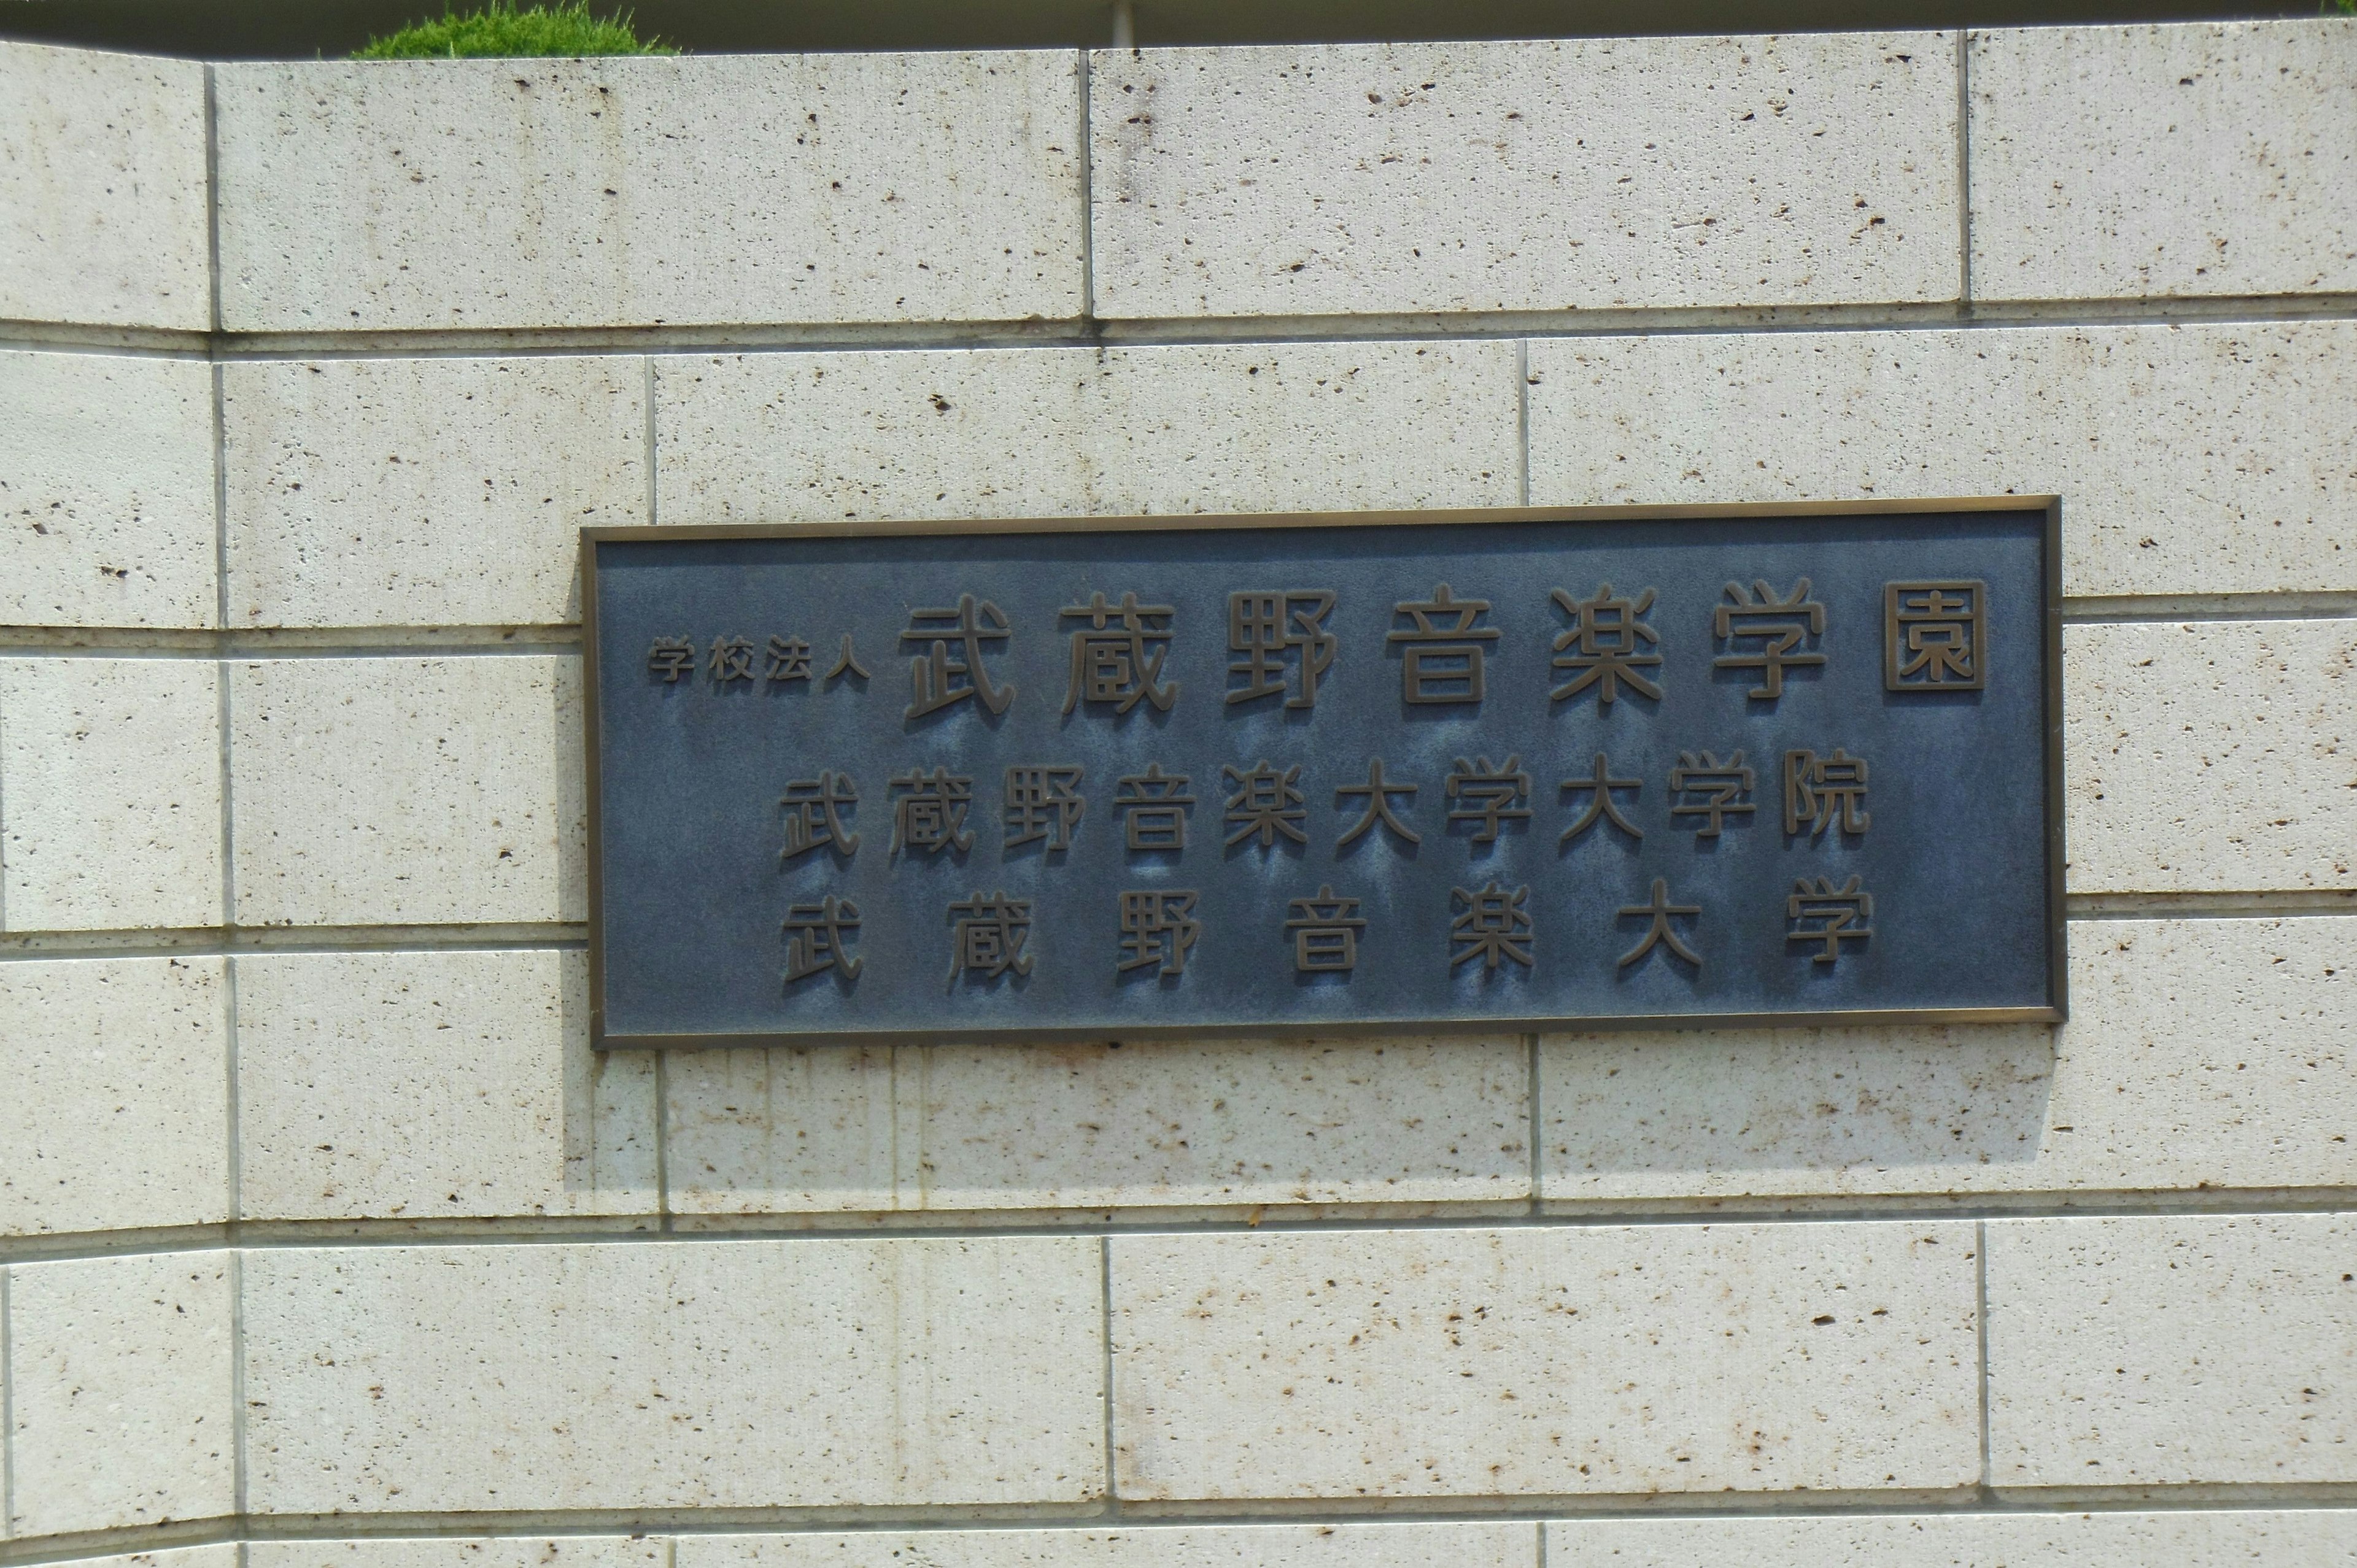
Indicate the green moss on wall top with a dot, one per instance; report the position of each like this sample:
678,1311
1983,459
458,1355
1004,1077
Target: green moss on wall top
500,30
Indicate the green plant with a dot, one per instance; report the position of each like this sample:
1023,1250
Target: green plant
2338,8
500,30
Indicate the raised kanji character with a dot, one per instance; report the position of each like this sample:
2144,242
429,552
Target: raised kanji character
815,936
671,658
1117,657
1264,625
1379,809
1827,914
790,659
732,660
1480,791
1325,933
1158,927
1603,644
1443,661
1778,626
1154,808
932,816
1703,786
1821,790
939,676
1601,807
1495,926
814,814
1266,802
1935,636
987,941
1042,804
1659,911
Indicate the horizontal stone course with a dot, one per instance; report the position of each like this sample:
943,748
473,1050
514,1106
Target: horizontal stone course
1064,431
435,1085
2189,457
120,1392
626,192
1130,1546
465,1551
721,1374
118,1117
425,492
106,490
2181,1537
403,791
110,794
2210,757
1233,1125
2204,158
221,1554
1506,1362
2162,1351
2198,1053
1576,174
103,195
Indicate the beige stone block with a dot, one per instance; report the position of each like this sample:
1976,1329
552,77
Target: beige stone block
1545,1361
1557,175
2181,1538
2205,158
2211,758
425,492
1063,432
818,1372
407,791
1511,1545
110,794
120,1388
711,189
102,195
1237,1124
465,1551
106,489
2191,459
2165,1351
117,1117
2198,1053
432,1085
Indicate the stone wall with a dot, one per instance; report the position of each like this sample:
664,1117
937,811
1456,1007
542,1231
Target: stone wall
328,1243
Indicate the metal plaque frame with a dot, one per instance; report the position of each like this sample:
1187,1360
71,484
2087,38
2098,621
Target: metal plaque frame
2055,1011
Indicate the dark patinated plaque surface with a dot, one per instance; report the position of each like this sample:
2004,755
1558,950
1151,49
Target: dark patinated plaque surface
1313,775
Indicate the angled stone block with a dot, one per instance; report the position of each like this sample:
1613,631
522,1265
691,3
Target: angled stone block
361,196
435,1085
102,198
405,791
2200,158
1659,173
1543,1361
106,490
119,1119
425,492
110,794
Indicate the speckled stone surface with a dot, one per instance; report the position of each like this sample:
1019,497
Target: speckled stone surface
824,187
1062,432
103,195
1580,174
2189,457
2201,158
425,492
